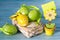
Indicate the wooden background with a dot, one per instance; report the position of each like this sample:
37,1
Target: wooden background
9,7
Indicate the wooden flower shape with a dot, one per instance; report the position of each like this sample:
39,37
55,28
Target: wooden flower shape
50,15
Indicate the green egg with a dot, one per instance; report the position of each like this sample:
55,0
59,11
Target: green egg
34,15
9,29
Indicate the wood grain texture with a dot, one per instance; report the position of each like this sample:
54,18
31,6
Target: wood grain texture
9,7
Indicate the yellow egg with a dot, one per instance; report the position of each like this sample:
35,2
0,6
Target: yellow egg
22,20
13,17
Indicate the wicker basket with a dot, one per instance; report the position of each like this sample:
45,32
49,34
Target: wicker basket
31,30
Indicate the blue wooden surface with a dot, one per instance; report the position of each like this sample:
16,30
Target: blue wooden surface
9,7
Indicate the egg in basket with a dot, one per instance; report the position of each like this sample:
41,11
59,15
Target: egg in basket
28,21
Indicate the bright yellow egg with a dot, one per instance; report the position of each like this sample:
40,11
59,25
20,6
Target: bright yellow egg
22,20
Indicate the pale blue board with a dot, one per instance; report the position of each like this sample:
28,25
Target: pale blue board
9,7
